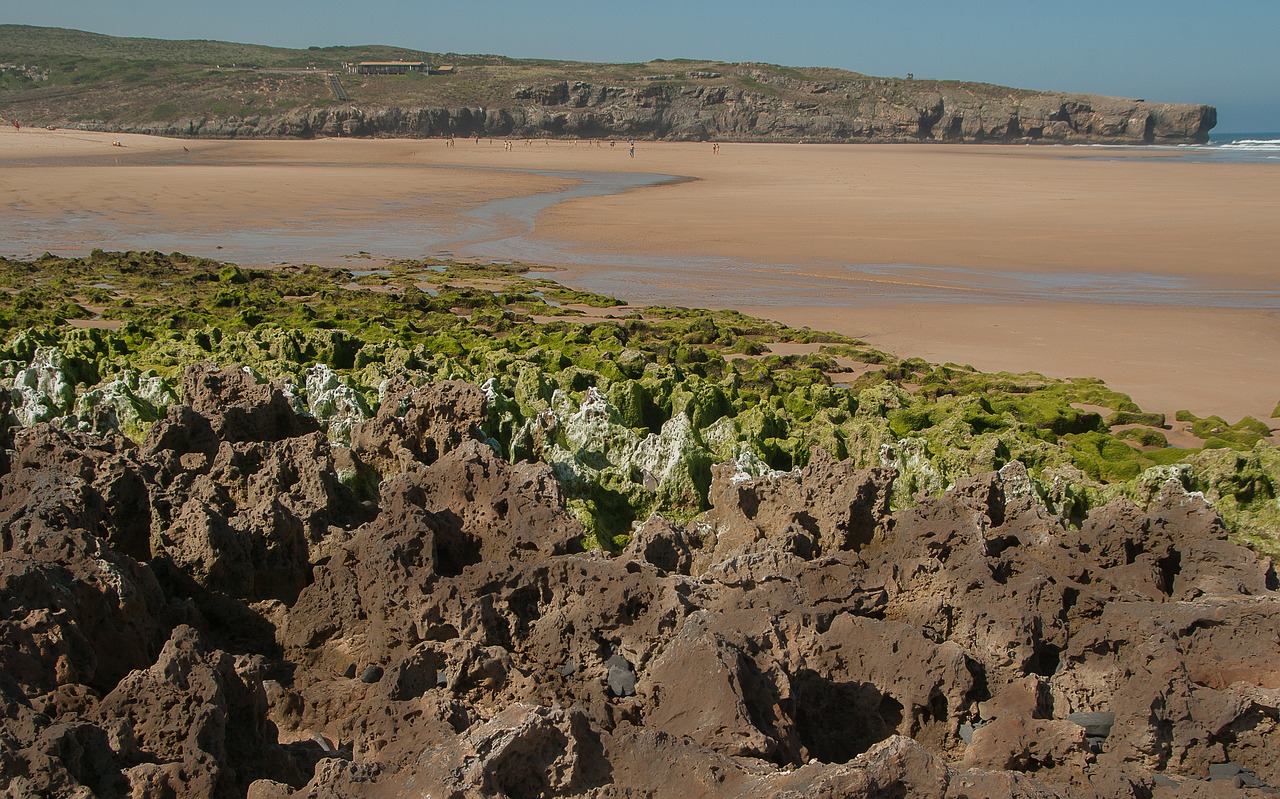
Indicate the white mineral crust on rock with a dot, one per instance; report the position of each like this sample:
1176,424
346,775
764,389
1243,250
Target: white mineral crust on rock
334,403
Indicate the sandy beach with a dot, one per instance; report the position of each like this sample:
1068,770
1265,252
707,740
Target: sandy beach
1156,274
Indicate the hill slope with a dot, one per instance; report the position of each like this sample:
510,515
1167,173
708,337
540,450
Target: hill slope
51,76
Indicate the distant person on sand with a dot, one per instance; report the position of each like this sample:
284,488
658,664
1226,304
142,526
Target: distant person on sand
633,149
16,126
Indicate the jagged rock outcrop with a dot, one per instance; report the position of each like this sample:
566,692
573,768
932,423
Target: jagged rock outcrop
214,614
239,406
190,725
789,109
828,507
245,491
416,426
76,611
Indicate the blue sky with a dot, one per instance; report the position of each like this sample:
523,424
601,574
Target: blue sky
1223,53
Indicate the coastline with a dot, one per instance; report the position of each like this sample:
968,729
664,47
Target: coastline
979,214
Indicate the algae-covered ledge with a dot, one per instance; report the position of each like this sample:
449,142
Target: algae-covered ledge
631,407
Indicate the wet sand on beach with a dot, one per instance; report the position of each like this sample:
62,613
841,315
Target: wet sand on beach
228,186
993,207
970,214
1210,361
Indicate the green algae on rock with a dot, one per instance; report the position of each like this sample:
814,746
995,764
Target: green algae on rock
631,407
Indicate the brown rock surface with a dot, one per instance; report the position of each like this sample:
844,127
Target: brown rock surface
826,508
415,426
239,406
74,610
849,108
213,614
244,494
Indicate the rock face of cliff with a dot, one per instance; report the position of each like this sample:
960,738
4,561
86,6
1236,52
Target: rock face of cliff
215,613
785,110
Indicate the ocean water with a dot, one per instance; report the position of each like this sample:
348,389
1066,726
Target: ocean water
1239,148
1235,147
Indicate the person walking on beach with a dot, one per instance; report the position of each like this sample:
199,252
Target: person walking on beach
633,149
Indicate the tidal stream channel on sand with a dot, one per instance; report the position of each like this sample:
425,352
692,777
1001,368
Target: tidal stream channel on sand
502,230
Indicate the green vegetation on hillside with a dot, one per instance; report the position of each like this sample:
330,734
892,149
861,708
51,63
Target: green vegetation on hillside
631,407
58,76
22,42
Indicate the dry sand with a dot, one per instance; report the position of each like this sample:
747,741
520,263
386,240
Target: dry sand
1004,233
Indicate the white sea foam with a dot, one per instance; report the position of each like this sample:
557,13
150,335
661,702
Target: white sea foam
1253,145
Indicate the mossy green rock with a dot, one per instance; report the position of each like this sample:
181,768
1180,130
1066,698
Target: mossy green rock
42,390
130,402
630,411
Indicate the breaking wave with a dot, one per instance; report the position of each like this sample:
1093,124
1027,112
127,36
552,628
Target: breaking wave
1253,145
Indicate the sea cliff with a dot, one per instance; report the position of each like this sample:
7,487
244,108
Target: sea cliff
867,110
51,76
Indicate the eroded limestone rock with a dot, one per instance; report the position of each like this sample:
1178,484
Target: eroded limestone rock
802,637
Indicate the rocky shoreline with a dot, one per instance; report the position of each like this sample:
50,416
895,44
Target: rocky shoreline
215,612
630,407
894,112
449,529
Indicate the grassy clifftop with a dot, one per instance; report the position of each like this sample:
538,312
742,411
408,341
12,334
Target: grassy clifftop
67,58
52,76
195,70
